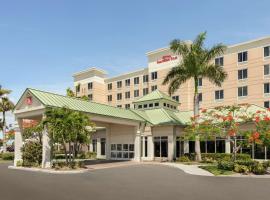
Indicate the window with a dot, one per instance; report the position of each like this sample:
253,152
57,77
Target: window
127,106
119,96
78,88
94,143
267,104
103,146
266,69
90,97
145,147
150,105
242,91
90,86
200,97
127,95
266,88
154,87
119,84
140,106
145,91
219,61
242,74
136,93
154,75
127,82
243,56
110,86
109,98
156,104
119,106
136,80
219,94
176,98
199,82
144,105
267,51
145,78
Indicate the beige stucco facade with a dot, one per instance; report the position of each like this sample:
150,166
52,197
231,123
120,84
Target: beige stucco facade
162,60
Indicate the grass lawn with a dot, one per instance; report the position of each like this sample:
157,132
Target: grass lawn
214,170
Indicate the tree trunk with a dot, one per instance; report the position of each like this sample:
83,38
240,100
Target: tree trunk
196,111
4,132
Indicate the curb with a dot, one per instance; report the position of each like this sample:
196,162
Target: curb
49,171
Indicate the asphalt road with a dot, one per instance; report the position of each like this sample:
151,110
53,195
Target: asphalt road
135,182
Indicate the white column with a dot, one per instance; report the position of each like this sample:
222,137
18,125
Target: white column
170,147
137,144
108,142
186,147
46,149
18,143
150,147
98,148
91,146
227,145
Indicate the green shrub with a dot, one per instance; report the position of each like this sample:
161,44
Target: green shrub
59,156
259,169
248,163
8,156
32,154
88,155
72,165
183,159
226,165
243,157
219,156
208,160
241,168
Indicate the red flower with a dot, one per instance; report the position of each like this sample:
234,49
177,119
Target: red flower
231,132
204,110
258,111
256,135
266,118
229,118
257,119
268,109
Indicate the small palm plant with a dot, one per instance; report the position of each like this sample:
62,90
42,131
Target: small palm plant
196,63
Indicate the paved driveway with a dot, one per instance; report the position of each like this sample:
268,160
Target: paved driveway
129,182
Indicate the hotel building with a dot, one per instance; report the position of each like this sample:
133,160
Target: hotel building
248,81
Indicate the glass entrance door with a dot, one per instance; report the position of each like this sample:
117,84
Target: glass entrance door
161,146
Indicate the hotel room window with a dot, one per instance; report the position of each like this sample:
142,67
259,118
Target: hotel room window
267,104
154,75
145,91
119,96
127,95
266,70
219,61
119,84
219,94
127,106
109,98
145,78
266,88
200,97
136,80
110,86
127,81
176,98
242,91
153,87
243,56
90,97
90,86
267,51
242,74
136,93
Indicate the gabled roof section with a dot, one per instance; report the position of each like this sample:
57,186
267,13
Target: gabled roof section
55,100
155,95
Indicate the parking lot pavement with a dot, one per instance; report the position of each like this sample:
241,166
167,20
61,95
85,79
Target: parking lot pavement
132,182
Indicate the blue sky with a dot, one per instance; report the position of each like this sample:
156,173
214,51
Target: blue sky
42,43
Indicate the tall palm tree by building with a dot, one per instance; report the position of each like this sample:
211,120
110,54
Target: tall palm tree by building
196,63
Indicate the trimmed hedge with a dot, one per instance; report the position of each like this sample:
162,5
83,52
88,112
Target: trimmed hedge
7,156
219,156
73,165
32,154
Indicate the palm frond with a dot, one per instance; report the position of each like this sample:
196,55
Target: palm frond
199,40
215,51
179,47
215,74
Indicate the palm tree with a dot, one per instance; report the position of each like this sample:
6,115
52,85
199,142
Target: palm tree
3,92
5,106
70,92
196,63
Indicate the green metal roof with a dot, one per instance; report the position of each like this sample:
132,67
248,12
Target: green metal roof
55,100
155,95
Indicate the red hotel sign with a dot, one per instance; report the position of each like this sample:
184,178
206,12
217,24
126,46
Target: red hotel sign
166,59
29,100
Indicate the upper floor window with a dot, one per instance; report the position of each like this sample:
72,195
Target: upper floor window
90,86
243,56
266,51
109,98
136,80
127,82
119,96
267,104
242,91
119,84
219,61
127,106
90,97
266,70
219,94
110,86
200,97
242,74
145,91
153,87
200,82
136,93
266,88
176,98
154,75
127,95
145,78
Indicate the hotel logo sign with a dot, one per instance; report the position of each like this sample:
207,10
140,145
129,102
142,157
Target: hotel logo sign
166,58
